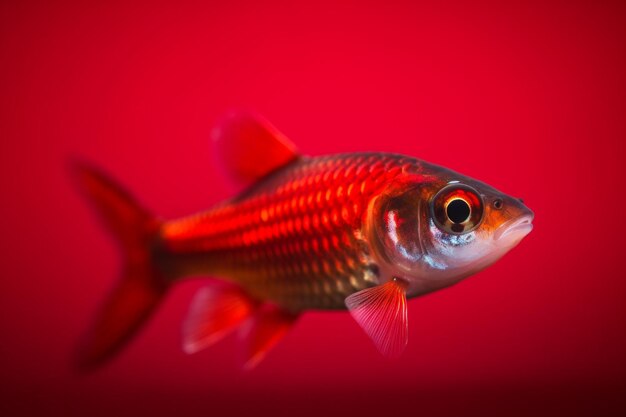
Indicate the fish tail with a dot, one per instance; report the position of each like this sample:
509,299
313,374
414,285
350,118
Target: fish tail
141,287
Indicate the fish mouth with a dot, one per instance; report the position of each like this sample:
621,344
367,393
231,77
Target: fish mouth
514,229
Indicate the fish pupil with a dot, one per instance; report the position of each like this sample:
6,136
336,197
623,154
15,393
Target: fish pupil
458,211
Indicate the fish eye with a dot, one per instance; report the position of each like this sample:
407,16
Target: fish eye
457,209
497,203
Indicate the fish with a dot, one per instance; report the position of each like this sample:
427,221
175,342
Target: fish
362,232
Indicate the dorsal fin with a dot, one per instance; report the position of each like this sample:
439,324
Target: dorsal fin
249,147
381,312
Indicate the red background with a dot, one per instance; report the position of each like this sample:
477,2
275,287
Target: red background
530,98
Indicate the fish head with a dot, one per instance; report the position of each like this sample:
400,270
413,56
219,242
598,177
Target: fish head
436,228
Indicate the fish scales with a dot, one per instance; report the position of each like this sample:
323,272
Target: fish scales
296,237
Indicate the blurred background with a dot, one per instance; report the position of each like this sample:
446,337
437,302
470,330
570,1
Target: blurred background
529,97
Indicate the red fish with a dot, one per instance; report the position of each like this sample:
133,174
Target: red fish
361,232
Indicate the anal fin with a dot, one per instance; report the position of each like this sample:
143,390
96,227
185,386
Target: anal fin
381,311
214,312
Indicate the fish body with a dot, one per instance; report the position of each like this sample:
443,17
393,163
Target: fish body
296,238
362,232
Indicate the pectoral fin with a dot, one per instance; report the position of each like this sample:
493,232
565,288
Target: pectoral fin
381,311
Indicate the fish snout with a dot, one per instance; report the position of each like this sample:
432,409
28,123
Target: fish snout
515,229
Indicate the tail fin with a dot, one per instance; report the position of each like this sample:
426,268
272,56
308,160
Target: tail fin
141,287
